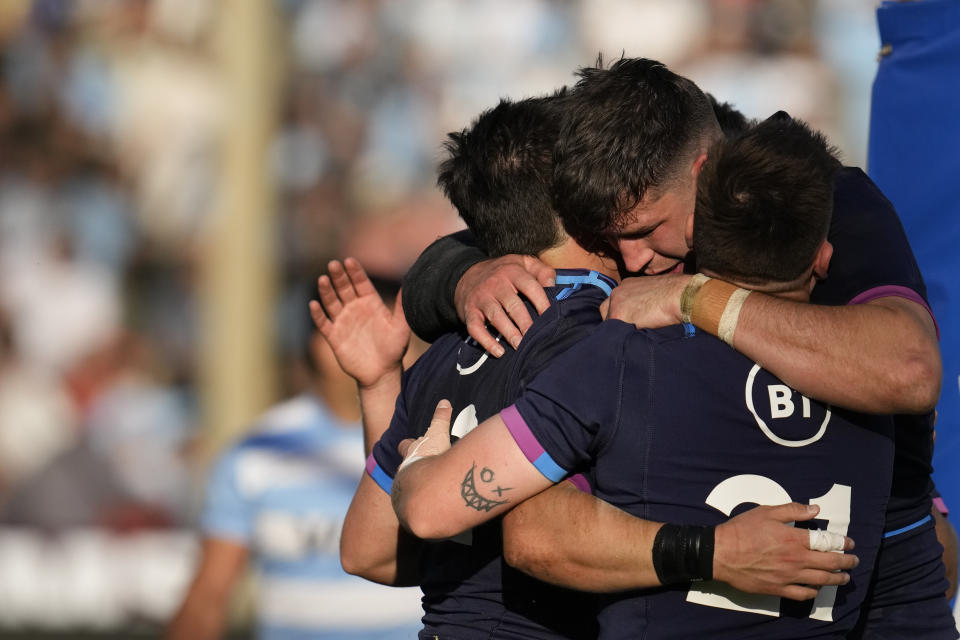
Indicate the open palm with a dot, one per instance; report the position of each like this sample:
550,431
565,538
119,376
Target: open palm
368,339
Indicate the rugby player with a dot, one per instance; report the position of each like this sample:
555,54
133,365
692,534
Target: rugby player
498,176
873,350
674,425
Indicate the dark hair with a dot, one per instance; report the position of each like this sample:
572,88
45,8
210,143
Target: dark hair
626,130
764,201
731,120
497,174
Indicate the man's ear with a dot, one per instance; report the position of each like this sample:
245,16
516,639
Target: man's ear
694,173
821,264
698,164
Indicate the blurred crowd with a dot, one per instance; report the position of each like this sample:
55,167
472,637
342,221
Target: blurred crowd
110,130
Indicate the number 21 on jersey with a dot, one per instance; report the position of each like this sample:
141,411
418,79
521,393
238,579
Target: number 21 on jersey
748,488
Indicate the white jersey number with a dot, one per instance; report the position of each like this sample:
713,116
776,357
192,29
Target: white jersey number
747,488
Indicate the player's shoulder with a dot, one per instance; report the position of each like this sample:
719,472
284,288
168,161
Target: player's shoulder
288,416
677,335
855,195
439,355
299,425
574,301
577,289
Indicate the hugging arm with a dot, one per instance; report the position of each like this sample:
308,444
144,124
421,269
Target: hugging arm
877,357
572,539
454,283
441,491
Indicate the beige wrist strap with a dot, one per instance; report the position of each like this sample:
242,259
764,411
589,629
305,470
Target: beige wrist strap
688,295
730,316
716,308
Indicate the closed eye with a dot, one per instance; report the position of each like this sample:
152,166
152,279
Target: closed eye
637,234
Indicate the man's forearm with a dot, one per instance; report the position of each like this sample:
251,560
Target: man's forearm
203,614
202,617
570,538
429,285
377,403
879,357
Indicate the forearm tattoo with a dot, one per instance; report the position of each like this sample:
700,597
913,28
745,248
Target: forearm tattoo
470,493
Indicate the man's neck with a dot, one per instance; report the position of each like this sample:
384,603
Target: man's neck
798,291
571,255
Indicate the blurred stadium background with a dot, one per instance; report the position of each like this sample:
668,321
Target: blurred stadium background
175,173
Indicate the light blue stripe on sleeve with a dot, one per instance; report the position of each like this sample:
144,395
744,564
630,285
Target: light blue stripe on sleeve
550,469
379,476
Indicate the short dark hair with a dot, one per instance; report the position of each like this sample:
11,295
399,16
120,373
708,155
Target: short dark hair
498,172
626,130
731,120
764,201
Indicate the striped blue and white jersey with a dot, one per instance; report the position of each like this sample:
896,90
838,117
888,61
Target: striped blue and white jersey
283,491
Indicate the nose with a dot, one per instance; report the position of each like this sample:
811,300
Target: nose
635,254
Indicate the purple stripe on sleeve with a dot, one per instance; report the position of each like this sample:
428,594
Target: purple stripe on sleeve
521,433
941,506
371,464
580,482
895,291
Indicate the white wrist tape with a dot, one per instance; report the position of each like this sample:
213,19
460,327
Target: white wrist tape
731,314
412,456
821,540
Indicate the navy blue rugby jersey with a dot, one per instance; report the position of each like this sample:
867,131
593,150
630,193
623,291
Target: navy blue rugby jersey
678,427
872,259
469,591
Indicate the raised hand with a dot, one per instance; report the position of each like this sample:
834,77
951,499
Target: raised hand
759,551
490,291
368,339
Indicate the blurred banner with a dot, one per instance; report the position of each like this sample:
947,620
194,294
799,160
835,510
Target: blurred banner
915,159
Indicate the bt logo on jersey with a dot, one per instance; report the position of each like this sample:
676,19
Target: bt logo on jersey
781,401
783,417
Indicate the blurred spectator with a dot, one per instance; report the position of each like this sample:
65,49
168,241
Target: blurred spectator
278,498
37,419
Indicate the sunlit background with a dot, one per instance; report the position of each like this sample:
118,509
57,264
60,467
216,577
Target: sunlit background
174,175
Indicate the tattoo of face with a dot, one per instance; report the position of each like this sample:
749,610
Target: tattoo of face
470,495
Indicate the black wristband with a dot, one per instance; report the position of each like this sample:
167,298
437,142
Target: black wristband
430,284
683,553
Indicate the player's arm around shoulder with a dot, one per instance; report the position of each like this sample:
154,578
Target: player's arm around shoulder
441,491
570,538
877,357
